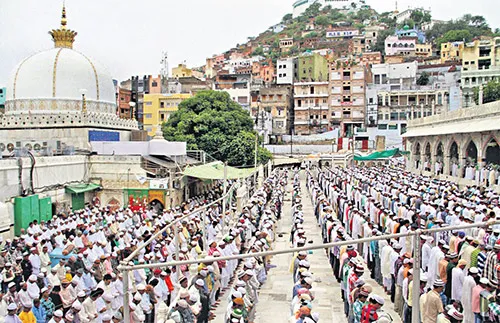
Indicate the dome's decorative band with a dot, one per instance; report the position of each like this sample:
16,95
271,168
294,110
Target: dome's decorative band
95,74
54,73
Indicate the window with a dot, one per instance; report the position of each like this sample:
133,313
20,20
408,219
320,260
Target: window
154,84
148,115
121,99
371,100
324,116
382,127
148,103
393,127
162,104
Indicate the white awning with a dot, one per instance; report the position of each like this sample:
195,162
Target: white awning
480,125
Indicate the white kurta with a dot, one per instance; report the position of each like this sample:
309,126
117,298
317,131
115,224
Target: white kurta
457,282
469,284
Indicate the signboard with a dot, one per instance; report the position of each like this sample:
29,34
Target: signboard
158,184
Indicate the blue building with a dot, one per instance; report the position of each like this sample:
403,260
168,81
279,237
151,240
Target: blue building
411,32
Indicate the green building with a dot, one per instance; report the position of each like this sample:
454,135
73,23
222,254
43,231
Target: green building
312,67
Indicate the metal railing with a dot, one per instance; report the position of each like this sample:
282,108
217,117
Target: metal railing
416,235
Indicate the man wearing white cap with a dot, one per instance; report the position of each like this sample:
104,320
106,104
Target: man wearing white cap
432,303
57,317
33,289
11,314
35,260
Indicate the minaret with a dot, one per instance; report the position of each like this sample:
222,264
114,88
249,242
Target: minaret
63,37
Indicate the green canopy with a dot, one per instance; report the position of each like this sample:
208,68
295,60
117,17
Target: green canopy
382,155
215,170
81,188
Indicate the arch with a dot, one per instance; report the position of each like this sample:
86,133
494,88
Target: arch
113,204
417,150
157,205
492,152
428,156
471,152
453,151
439,152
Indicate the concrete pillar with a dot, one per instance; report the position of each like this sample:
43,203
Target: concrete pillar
412,111
481,94
433,107
446,165
421,110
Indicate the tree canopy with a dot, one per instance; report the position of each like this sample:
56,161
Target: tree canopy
476,25
212,122
491,92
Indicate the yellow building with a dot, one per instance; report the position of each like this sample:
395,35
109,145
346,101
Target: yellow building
181,71
423,50
159,107
452,51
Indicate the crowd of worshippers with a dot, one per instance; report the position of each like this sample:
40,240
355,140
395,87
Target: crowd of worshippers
459,268
302,297
85,285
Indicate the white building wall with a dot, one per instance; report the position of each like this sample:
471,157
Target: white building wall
284,71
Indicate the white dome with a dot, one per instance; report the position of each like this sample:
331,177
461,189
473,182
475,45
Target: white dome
60,74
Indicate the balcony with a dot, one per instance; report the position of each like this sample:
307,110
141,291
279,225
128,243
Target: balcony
314,95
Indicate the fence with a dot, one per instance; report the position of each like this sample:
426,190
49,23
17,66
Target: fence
416,235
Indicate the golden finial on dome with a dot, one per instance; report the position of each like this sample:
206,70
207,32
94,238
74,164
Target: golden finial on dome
64,21
63,37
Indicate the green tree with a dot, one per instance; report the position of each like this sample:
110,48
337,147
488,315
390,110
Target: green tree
322,21
454,35
287,18
241,150
476,25
491,92
420,17
423,79
380,44
335,15
259,51
211,121
313,10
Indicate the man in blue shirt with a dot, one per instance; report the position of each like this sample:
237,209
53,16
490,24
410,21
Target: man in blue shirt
39,312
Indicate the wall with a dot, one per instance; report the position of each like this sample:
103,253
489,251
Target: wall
77,137
284,73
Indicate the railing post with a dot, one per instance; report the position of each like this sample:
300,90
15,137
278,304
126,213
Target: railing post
417,258
126,297
224,198
176,233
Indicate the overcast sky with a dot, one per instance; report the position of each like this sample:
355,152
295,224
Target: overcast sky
128,36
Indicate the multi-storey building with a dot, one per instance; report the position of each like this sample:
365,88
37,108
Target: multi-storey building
159,107
312,67
423,50
311,94
278,101
285,71
452,51
286,44
347,95
480,64
311,113
404,46
397,76
396,107
123,103
139,86
237,85
371,34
